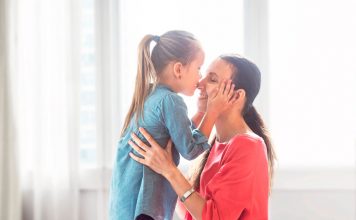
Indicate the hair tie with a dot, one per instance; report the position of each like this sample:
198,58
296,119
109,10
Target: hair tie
156,38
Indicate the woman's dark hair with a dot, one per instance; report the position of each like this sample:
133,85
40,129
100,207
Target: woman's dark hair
246,76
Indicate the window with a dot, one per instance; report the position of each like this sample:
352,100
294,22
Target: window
313,82
88,90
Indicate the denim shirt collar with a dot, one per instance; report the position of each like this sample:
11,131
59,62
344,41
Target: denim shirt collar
162,86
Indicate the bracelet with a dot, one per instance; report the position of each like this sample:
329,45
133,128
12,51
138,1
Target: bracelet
187,194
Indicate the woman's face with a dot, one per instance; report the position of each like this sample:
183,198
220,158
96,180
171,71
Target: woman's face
218,71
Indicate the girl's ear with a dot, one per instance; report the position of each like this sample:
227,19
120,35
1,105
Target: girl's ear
177,70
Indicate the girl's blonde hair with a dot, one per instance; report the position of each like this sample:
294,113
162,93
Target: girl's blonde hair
173,46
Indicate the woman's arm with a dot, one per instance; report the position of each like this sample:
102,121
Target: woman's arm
231,191
163,164
195,202
180,210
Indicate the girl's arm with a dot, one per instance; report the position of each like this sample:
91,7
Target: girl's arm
201,108
190,143
196,119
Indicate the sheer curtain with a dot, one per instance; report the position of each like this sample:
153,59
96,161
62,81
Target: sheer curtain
44,80
10,199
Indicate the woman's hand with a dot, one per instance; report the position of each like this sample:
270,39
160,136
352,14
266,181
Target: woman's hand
155,157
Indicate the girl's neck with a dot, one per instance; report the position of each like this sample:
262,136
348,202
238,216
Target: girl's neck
170,83
230,124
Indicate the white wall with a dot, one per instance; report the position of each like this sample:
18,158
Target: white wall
312,82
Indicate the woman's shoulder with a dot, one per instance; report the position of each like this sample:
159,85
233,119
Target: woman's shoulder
246,142
246,138
244,148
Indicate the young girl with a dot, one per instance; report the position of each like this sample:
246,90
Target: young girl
173,67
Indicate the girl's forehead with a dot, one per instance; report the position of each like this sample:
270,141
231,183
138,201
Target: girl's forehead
199,58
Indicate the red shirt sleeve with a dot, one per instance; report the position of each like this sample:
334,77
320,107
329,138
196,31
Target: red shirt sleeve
230,194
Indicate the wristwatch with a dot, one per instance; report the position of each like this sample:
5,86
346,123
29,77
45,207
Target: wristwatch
187,194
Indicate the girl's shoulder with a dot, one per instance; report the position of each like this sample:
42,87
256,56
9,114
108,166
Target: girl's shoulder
164,100
161,92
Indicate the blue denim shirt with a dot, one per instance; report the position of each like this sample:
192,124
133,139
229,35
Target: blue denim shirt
135,188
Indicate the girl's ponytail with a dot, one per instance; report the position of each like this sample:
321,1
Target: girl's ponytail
145,78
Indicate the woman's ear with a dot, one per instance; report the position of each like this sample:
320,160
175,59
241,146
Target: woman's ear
177,70
241,95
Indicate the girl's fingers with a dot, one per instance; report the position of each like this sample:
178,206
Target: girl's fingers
231,91
234,98
138,159
227,87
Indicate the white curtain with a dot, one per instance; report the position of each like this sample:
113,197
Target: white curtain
44,79
10,197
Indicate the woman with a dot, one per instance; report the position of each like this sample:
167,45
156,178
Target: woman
236,172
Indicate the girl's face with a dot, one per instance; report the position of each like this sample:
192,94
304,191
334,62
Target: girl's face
218,71
191,74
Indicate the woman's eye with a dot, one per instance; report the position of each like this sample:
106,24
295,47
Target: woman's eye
213,80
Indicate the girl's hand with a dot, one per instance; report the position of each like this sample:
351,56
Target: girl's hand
222,98
155,157
202,101
202,105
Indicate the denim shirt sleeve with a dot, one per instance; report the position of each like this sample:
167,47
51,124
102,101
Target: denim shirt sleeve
189,142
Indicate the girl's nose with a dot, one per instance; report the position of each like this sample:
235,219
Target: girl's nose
201,83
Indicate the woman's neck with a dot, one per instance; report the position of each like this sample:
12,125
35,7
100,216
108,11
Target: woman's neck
230,124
